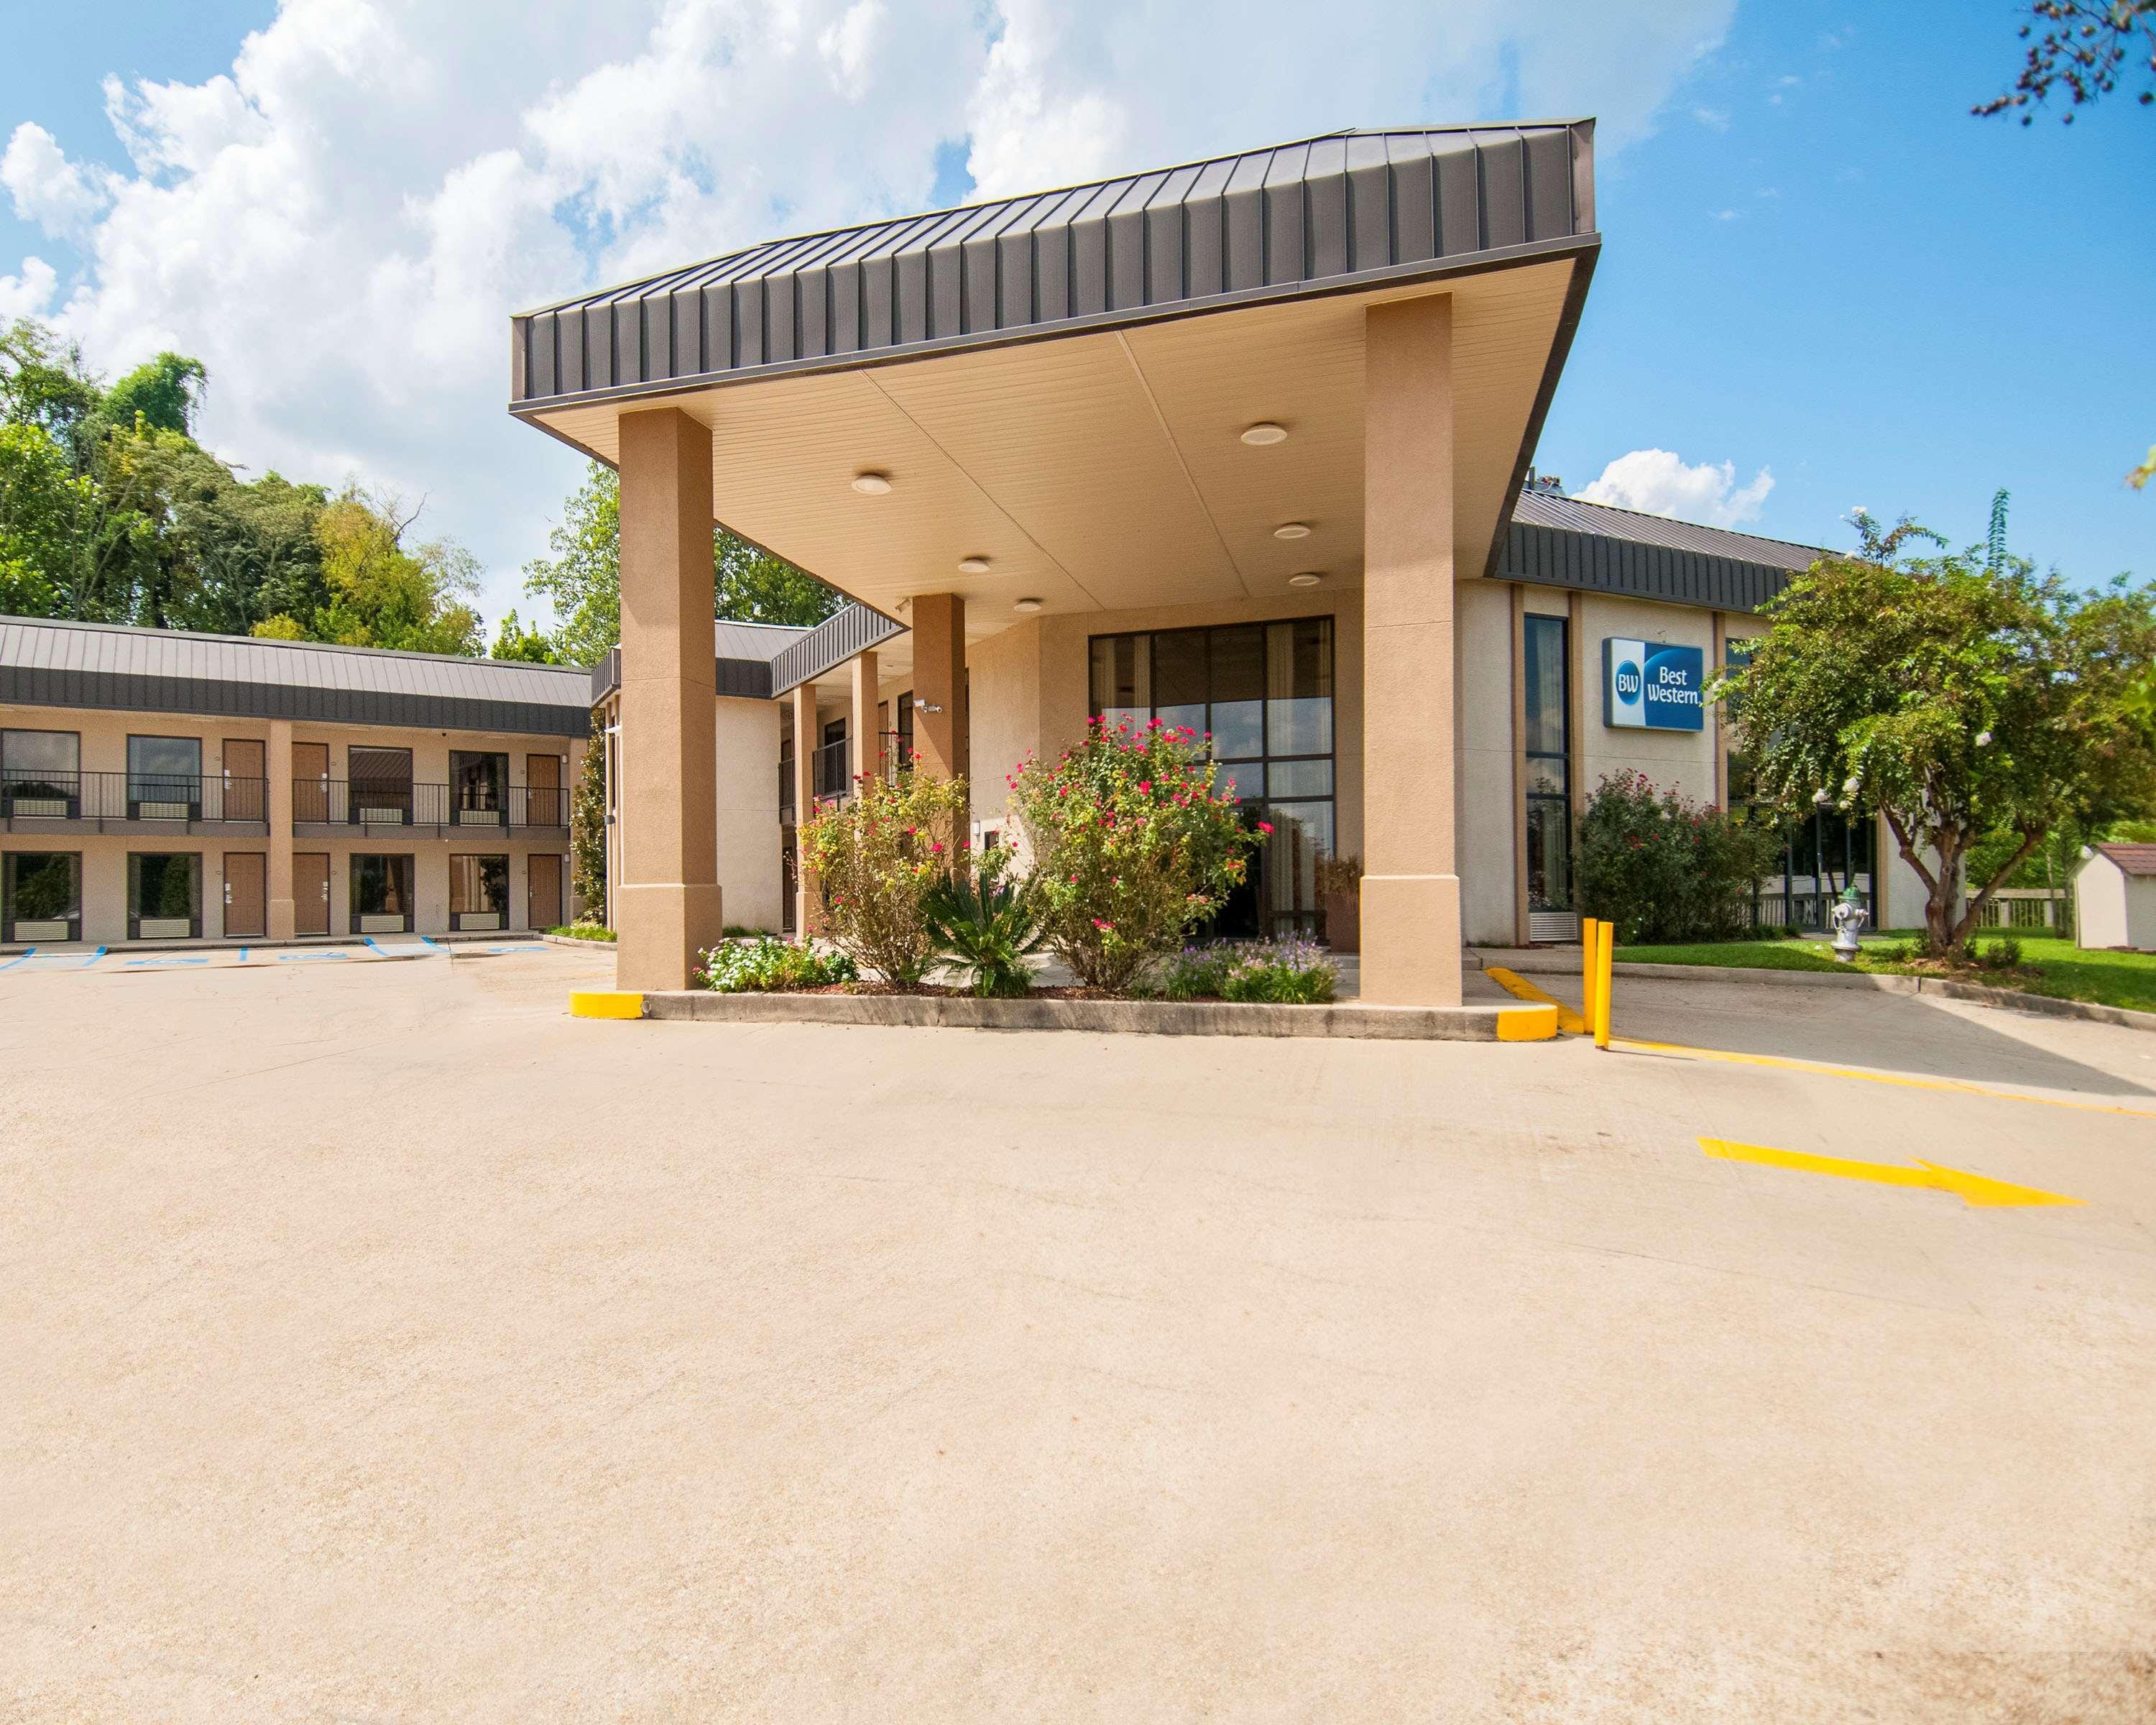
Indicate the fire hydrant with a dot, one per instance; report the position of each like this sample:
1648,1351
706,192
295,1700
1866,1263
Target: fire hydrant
1849,915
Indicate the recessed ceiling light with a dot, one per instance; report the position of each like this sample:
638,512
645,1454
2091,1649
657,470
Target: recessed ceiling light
1309,577
1265,432
1028,606
1292,529
972,566
871,484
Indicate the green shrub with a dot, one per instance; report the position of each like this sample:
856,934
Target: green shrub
765,965
1665,870
987,927
2001,954
584,932
1284,972
878,856
1131,845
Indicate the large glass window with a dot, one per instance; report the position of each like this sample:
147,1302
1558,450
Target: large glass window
381,790
479,787
1547,677
41,895
164,897
1263,693
40,774
164,777
478,892
380,895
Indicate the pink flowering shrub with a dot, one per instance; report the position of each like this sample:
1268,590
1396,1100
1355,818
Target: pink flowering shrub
1664,869
1132,844
878,858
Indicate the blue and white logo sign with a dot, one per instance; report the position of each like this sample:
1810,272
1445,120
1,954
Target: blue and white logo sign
1648,685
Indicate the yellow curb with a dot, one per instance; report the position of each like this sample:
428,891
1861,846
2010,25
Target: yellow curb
1512,982
606,1003
1527,1024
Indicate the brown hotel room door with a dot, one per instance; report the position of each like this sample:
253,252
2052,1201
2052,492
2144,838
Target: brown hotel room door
546,880
311,790
310,892
543,792
246,893
244,784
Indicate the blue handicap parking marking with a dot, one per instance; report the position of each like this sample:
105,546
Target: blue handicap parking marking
140,964
310,958
528,947
35,960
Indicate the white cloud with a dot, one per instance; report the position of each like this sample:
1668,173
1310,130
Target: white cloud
1713,118
48,189
1656,482
340,225
28,293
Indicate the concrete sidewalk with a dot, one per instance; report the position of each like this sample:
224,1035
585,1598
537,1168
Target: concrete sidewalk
380,1343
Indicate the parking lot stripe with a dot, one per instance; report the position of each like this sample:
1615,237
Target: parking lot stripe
1907,1081
28,952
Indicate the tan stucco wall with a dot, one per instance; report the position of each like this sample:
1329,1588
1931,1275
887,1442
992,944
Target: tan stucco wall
751,859
104,749
1487,811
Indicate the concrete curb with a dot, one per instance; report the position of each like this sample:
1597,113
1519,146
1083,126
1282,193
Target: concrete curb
570,940
1539,964
2044,1005
1152,1018
1935,988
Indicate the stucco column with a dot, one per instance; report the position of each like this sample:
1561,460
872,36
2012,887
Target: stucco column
939,683
1410,881
668,906
808,899
283,918
864,719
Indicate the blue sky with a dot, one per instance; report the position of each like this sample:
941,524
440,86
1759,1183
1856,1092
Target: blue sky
1816,263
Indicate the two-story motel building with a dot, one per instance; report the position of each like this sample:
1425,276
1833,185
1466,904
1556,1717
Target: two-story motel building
1242,443
162,787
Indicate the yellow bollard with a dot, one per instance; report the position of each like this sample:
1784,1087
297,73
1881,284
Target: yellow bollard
1590,933
1606,959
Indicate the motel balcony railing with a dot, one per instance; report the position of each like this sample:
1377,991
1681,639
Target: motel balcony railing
324,807
31,801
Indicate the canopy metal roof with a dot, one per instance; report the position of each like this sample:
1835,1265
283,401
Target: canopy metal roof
48,662
1350,209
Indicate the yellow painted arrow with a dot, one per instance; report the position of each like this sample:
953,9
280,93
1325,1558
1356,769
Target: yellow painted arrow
1973,1189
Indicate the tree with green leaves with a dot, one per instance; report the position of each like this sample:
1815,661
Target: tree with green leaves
587,816
515,641
580,577
382,593
1958,697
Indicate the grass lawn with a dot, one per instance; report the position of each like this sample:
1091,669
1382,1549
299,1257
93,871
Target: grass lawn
2112,979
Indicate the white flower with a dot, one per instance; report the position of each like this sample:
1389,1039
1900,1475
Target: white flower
1981,738
1849,786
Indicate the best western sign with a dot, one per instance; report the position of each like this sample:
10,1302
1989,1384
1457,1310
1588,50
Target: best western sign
1647,685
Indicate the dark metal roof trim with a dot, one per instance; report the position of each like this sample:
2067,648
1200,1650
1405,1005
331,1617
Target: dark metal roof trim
117,691
853,628
57,662
1552,556
1329,214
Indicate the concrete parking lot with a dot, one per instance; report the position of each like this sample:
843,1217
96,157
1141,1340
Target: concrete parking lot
377,1343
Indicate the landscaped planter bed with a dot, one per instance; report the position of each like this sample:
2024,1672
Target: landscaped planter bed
1068,1009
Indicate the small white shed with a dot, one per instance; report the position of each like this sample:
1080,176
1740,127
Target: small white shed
2115,897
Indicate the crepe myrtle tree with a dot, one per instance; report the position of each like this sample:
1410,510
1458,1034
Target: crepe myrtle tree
1959,696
